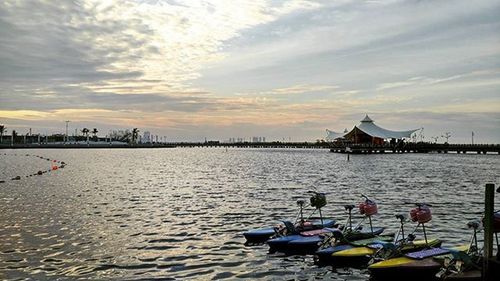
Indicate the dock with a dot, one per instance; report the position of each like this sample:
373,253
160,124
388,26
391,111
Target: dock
421,147
336,148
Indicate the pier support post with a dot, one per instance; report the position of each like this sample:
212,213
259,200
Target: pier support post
489,203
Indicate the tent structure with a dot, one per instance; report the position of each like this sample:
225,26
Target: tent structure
368,132
331,135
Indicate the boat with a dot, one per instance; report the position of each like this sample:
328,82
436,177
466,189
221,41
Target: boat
286,228
261,235
303,242
422,265
295,241
465,264
309,242
381,250
352,236
324,255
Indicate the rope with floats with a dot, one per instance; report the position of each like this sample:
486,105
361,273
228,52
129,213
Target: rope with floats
54,165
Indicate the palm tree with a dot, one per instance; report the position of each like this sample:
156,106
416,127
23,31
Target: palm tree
85,132
94,132
135,134
2,130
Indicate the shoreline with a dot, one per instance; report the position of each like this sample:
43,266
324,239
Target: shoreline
353,149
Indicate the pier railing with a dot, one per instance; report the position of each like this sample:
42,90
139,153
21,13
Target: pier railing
420,147
402,147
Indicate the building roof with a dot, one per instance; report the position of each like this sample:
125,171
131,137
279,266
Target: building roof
331,135
367,119
368,126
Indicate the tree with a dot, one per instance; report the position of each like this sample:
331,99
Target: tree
85,132
2,130
94,132
135,134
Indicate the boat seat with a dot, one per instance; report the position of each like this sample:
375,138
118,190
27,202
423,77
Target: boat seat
349,207
315,232
427,253
290,227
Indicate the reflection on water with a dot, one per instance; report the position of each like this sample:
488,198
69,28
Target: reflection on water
179,213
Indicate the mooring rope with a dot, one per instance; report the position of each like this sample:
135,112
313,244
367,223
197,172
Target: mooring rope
55,165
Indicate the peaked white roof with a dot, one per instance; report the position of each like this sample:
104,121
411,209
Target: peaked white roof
368,126
367,119
331,135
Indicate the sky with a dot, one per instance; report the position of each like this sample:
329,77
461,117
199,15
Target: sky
191,70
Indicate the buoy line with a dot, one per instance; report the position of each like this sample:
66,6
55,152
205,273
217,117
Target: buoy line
54,165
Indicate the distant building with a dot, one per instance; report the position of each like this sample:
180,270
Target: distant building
146,137
258,139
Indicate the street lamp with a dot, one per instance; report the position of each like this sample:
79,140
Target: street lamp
67,121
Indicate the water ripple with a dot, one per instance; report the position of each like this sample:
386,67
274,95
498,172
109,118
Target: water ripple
177,214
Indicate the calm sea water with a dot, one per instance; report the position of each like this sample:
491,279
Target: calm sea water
177,214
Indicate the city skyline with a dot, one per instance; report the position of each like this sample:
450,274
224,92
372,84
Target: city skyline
223,69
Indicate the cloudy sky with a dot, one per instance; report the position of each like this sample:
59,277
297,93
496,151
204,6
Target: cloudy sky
281,69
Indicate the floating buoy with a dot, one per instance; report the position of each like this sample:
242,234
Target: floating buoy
53,166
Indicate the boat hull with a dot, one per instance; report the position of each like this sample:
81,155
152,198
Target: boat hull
261,235
422,269
324,256
305,245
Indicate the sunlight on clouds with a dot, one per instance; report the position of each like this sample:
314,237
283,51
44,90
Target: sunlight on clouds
295,89
23,114
189,65
178,40
468,106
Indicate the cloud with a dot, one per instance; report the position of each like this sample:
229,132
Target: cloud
140,46
292,90
179,66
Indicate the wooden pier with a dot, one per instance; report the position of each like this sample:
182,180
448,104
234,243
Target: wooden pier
418,148
351,148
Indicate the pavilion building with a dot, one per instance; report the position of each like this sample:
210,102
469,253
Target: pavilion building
367,132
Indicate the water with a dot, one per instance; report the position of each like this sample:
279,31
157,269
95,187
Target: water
177,214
